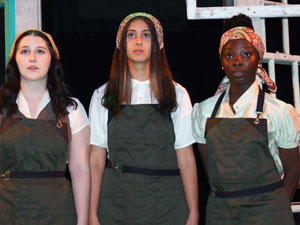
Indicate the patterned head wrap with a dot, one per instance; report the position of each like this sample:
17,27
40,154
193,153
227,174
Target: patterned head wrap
156,23
248,34
46,34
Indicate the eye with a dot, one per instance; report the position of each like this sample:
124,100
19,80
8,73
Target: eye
228,56
24,52
40,51
246,54
147,35
131,35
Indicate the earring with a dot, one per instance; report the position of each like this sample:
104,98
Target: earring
222,68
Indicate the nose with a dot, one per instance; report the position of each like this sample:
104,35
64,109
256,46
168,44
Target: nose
237,60
139,39
32,56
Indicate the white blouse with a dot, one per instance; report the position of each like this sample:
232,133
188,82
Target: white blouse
282,118
181,118
78,118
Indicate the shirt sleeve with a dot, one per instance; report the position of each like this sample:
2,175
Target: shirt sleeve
198,123
78,117
182,119
288,133
98,115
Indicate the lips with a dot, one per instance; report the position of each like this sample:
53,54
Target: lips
238,73
138,51
32,68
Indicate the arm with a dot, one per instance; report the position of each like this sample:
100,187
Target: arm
80,173
291,166
203,154
97,163
187,166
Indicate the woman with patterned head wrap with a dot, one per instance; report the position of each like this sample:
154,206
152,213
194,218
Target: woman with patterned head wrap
41,127
248,140
142,162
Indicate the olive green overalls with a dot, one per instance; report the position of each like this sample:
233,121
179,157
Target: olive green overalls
246,188
142,184
33,188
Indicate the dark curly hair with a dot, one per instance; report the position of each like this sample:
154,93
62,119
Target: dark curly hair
240,20
58,90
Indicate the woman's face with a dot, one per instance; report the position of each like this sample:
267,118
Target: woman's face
240,60
33,58
138,42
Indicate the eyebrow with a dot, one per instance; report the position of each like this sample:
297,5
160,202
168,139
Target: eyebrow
136,31
25,46
226,49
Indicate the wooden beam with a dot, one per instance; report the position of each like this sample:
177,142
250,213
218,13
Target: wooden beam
281,58
251,11
27,15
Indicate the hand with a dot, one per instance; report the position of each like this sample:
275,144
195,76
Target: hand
193,219
94,221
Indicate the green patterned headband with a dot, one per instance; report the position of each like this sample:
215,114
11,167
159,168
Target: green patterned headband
156,23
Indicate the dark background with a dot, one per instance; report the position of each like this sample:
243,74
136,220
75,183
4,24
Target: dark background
85,30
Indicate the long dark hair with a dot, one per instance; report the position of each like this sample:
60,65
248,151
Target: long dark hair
119,90
58,90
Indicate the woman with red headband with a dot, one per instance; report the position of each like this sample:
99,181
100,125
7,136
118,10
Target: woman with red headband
141,129
41,128
248,140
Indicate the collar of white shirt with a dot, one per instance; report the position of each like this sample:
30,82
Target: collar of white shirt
135,82
24,108
249,97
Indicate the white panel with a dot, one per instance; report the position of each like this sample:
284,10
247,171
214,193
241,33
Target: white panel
251,11
271,71
28,15
248,2
296,92
281,58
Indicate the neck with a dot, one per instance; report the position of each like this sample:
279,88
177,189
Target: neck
33,93
139,71
236,92
32,90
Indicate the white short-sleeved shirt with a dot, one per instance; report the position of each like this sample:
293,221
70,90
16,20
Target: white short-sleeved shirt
283,122
181,118
78,118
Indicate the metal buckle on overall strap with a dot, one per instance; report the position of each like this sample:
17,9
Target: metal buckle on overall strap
5,176
257,121
110,164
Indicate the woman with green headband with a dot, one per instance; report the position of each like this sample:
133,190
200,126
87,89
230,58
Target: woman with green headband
41,128
248,140
142,162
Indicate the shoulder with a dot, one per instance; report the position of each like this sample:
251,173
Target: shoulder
277,106
182,95
98,95
99,92
79,109
206,107
179,89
